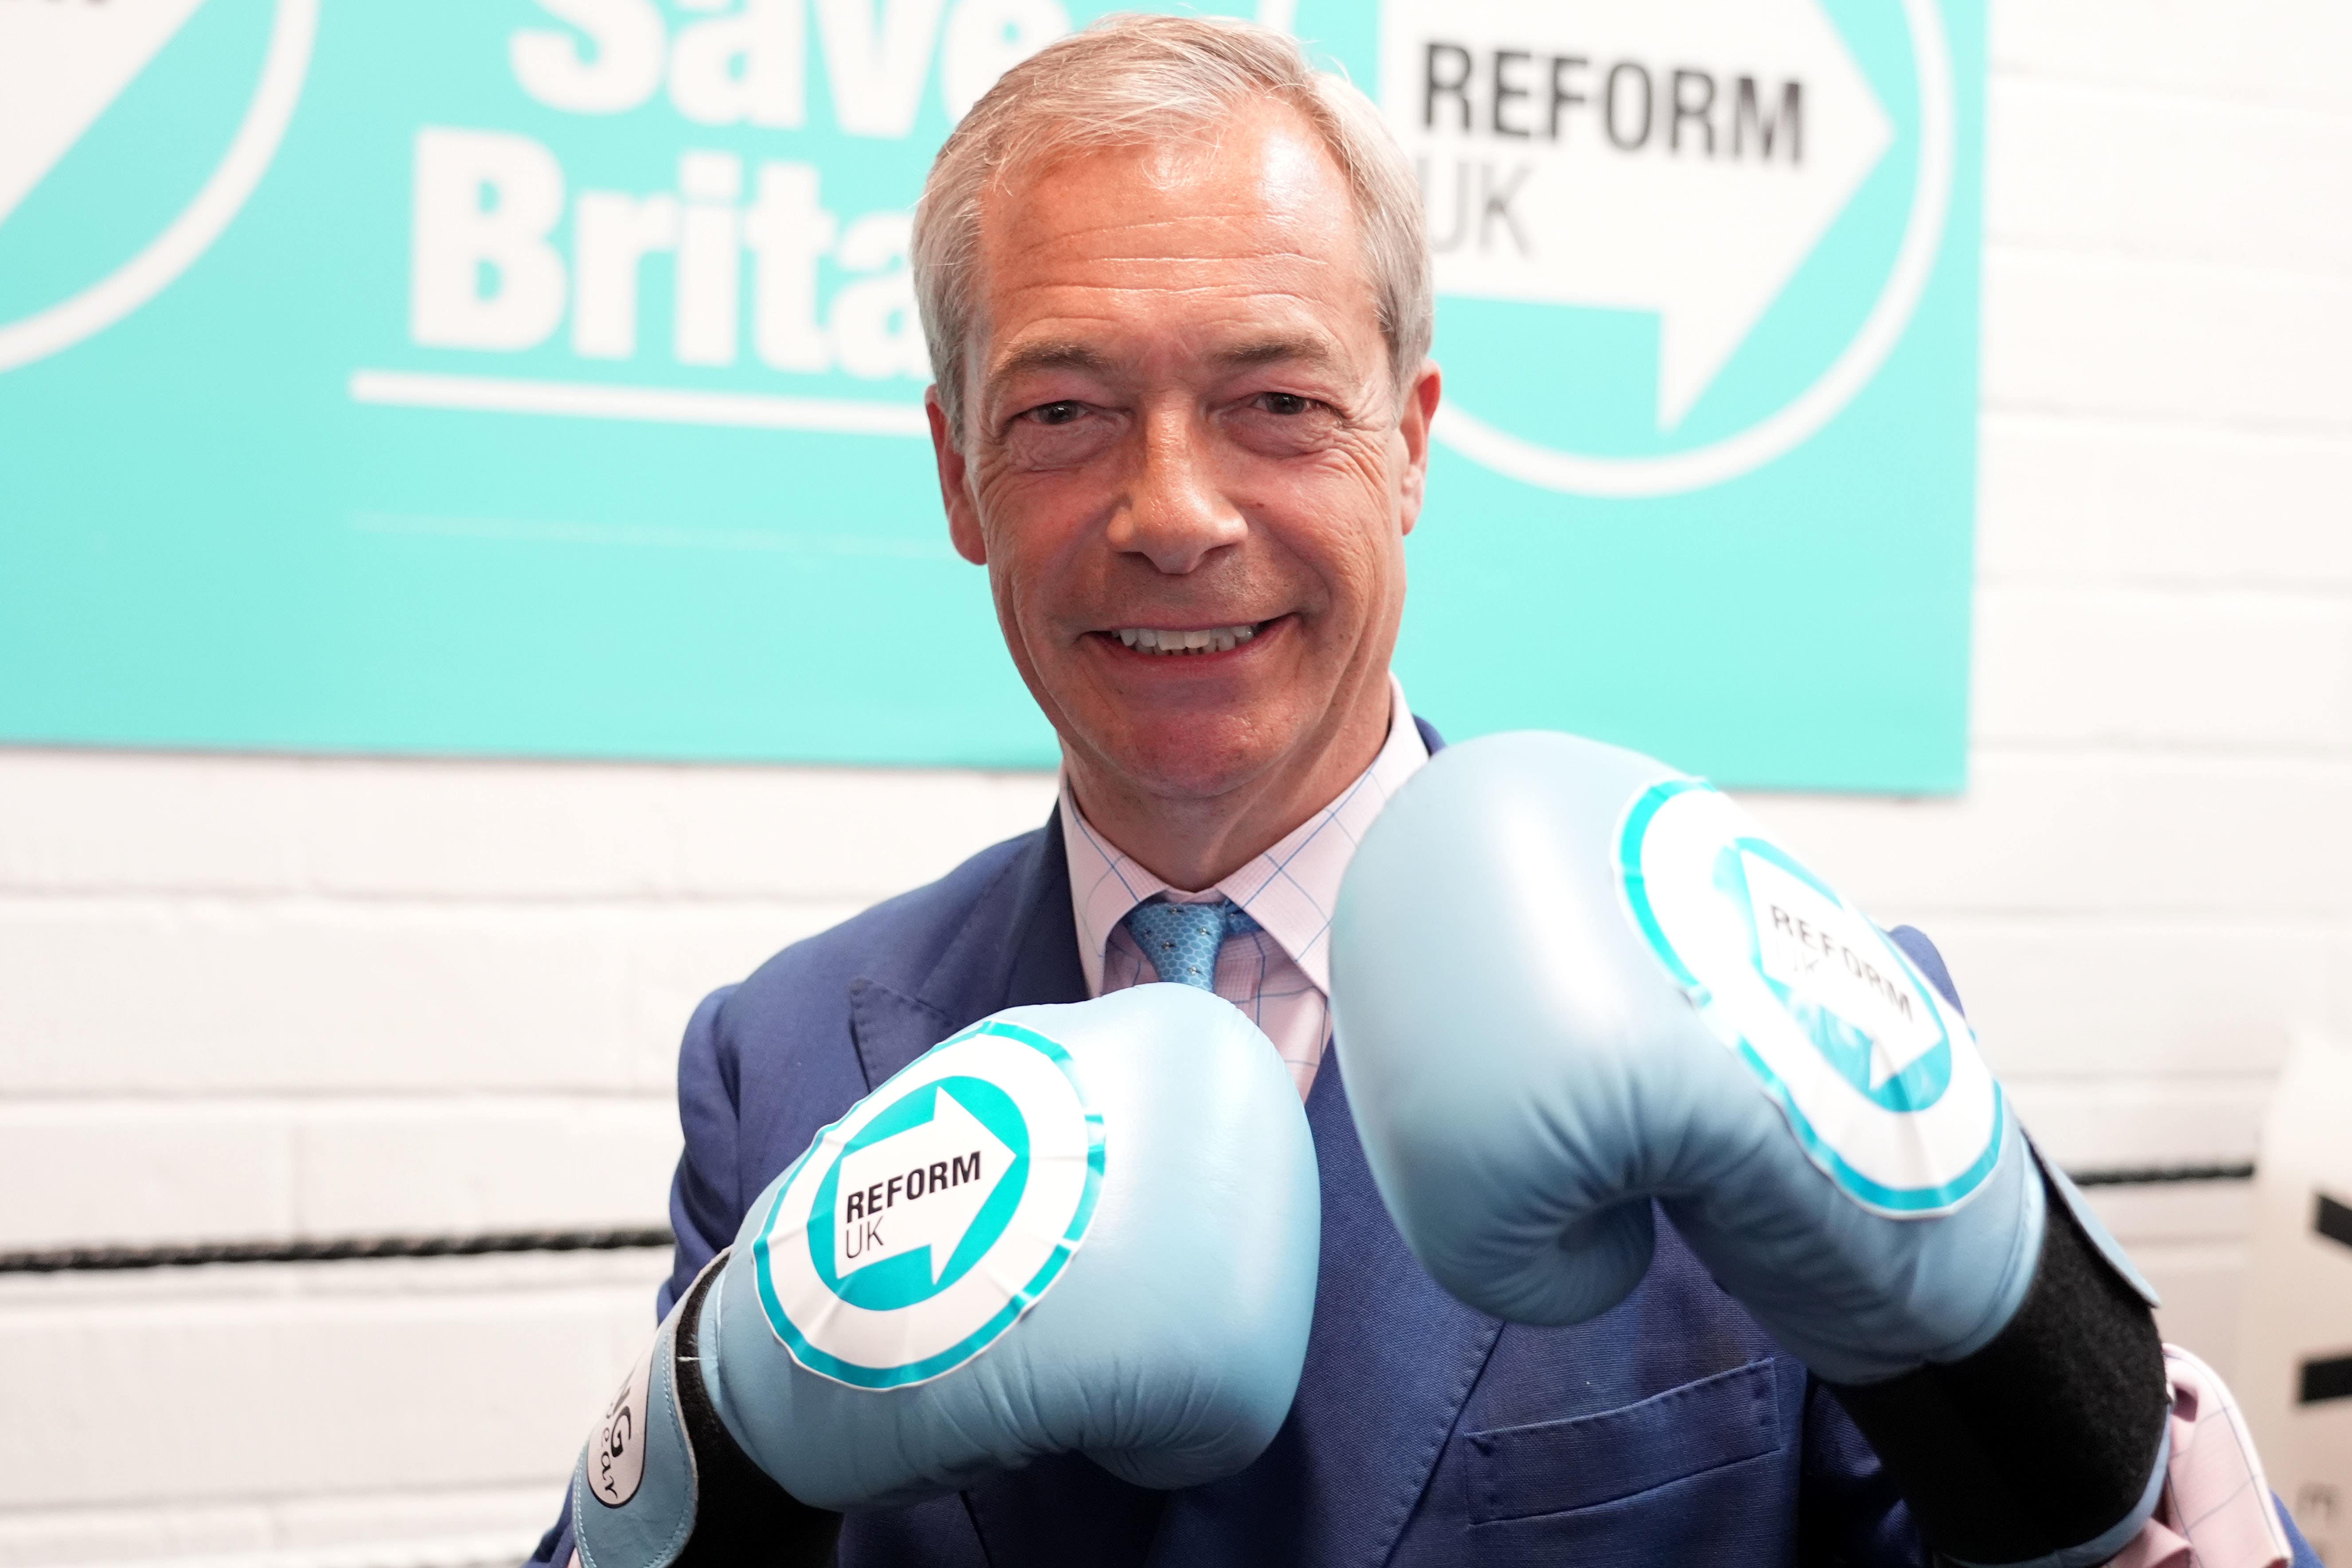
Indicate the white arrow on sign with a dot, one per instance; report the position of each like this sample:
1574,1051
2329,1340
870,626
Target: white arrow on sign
1612,158
60,67
922,1187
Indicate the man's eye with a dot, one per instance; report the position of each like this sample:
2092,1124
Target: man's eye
1287,404
1060,413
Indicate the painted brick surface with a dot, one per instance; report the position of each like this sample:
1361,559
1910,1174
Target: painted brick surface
280,1409
248,997
258,997
2093,502
2155,173
2192,52
213,994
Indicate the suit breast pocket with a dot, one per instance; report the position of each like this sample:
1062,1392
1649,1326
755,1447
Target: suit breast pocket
1586,1461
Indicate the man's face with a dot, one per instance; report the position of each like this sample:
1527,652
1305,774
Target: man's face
1182,429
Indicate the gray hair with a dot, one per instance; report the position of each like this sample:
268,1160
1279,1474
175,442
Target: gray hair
1142,81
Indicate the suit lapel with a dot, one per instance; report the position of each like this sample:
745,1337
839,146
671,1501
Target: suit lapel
1389,1361
1040,945
890,1030
1018,947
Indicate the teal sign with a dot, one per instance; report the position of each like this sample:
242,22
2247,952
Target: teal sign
542,377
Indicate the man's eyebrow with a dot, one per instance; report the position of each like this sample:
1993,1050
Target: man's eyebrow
1300,349
1047,357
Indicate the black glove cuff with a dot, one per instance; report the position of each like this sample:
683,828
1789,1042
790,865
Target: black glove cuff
741,1516
2046,1438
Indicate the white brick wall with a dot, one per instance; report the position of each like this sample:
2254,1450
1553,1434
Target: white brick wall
254,998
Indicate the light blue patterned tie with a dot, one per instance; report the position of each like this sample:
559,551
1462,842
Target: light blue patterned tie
1182,939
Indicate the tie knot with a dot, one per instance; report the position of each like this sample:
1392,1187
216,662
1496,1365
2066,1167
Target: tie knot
1182,939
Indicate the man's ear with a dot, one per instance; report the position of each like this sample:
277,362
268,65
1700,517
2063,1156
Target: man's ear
1420,409
955,489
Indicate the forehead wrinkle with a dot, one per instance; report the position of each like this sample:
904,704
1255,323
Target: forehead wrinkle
1236,289
1299,338
1204,211
1001,218
1210,246
1108,295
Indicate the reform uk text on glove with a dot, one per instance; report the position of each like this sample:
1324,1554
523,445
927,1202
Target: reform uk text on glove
1571,984
1088,1228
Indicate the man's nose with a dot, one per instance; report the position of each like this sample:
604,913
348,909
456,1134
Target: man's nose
1175,514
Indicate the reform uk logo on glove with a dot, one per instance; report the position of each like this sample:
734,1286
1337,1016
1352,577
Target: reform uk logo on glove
922,1225
1879,1076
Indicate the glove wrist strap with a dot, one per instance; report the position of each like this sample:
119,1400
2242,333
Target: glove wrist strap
2049,1441
688,1497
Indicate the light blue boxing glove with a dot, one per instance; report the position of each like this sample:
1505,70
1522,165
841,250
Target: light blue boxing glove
1090,1228
1568,982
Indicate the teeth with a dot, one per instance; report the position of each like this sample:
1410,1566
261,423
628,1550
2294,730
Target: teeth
1215,639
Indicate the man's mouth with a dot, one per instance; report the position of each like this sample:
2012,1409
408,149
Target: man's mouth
1206,639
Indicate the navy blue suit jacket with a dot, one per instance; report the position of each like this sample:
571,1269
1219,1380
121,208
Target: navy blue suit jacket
1669,1430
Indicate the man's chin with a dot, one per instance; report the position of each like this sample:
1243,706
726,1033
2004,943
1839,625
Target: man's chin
1201,756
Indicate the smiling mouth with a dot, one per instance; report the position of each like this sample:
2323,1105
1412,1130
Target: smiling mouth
1207,639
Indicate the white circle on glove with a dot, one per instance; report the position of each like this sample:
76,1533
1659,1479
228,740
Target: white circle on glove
922,1225
1879,1076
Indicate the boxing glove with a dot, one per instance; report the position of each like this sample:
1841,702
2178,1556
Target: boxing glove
1572,987
1089,1229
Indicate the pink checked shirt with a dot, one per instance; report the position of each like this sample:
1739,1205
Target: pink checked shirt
2216,1511
1281,974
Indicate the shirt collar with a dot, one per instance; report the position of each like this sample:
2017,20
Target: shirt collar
1290,889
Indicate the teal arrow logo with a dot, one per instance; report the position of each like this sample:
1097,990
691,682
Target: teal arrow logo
920,1188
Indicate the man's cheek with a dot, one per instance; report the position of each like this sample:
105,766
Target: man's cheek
1038,605
1350,492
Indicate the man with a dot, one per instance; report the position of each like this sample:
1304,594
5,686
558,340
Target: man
1178,301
